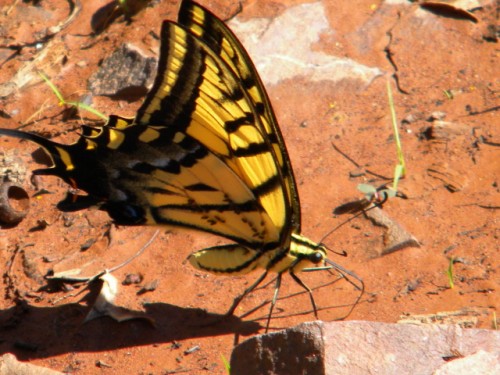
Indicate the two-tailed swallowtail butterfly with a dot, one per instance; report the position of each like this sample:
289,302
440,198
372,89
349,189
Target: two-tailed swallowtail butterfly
204,151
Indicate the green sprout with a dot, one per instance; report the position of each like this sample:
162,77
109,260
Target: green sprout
448,94
400,169
227,366
63,101
382,193
449,273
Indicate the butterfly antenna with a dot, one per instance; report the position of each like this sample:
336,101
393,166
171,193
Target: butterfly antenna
345,272
374,205
340,225
141,250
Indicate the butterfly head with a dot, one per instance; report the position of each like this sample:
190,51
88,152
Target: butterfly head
302,254
305,254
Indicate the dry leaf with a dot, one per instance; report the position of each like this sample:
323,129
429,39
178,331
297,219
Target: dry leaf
455,9
104,304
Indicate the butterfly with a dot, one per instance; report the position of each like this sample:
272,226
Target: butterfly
204,151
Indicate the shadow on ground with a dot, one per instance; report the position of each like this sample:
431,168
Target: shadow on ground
40,332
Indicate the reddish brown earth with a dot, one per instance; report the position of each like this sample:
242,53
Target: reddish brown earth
46,327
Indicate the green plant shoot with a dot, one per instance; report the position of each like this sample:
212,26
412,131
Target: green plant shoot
449,273
227,366
63,101
400,169
371,193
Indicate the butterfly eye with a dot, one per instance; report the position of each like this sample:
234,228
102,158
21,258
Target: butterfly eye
316,257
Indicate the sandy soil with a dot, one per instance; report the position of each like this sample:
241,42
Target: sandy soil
451,184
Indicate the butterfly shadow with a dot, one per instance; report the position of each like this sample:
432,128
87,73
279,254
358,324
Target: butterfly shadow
39,332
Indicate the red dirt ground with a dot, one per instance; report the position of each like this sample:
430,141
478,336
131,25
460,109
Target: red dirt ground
46,327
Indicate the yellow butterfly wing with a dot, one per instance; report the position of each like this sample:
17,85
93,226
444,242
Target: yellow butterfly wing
202,152
221,39
208,88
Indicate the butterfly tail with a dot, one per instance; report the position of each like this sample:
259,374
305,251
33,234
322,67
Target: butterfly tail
60,154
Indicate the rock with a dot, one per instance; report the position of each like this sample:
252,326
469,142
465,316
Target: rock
268,42
9,365
12,167
480,363
452,179
297,350
128,72
14,203
444,131
465,318
396,237
359,347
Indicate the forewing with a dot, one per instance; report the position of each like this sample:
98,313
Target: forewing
197,93
202,23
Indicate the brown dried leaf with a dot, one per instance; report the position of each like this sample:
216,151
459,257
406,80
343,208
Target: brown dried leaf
454,9
104,304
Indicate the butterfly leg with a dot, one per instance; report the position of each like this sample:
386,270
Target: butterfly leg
273,302
238,299
309,291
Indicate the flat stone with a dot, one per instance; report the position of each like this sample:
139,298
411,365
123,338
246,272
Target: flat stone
480,363
287,41
359,347
9,365
128,72
396,237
